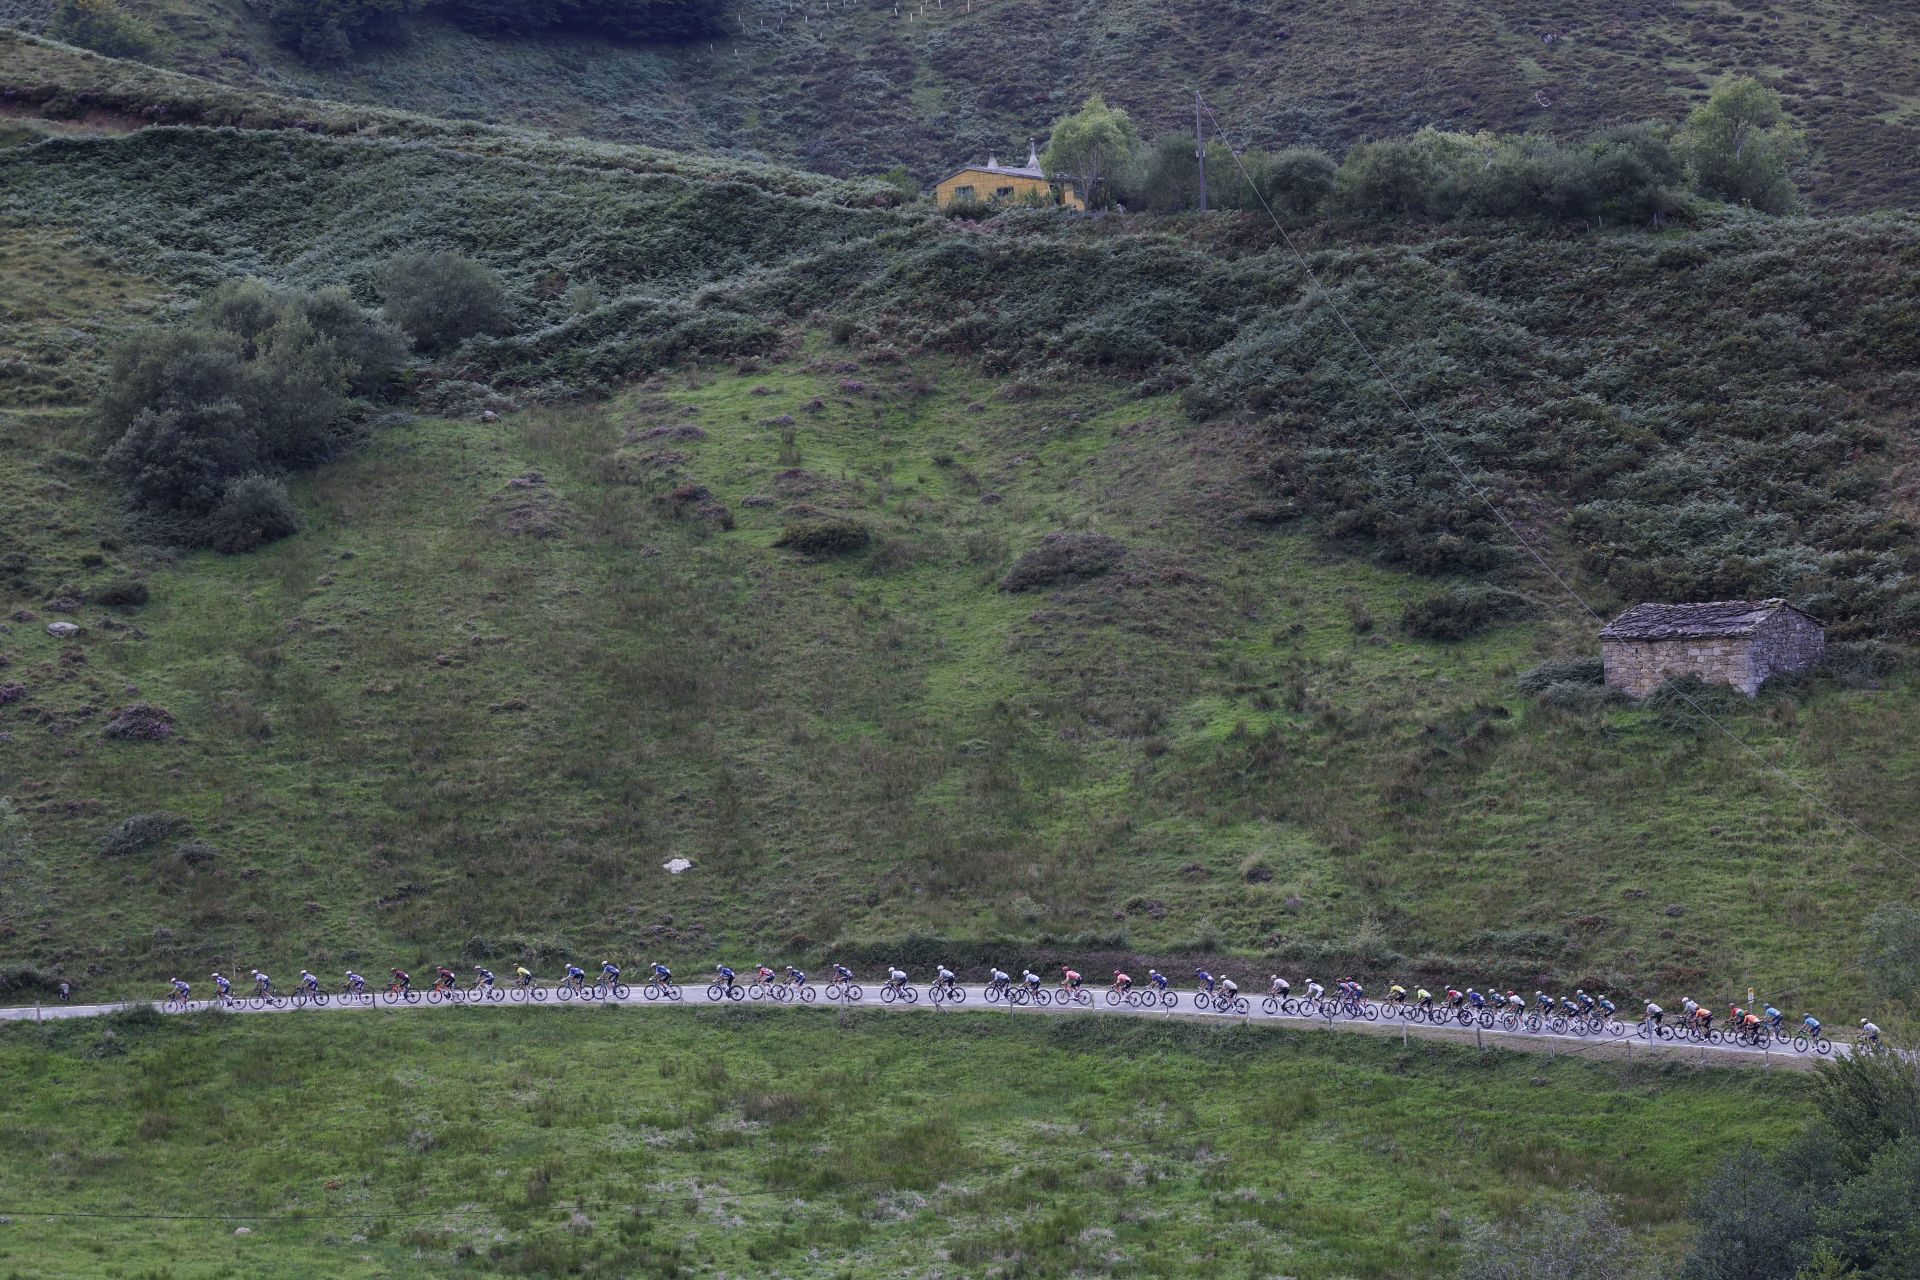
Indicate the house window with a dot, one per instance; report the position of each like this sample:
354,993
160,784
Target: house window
1002,193
963,193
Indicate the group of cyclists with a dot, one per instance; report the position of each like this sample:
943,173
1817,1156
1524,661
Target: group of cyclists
1581,1011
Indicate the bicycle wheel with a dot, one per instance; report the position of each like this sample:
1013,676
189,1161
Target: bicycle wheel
496,995
934,994
1371,1012
1113,997
320,999
909,995
1041,997
1270,1005
958,995
855,992
564,991
715,991
1823,1045
888,993
993,994
621,991
756,991
808,995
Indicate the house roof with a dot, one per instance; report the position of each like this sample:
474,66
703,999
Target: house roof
1677,621
1031,169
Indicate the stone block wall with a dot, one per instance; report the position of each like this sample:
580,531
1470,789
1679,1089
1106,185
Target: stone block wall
1638,667
1785,642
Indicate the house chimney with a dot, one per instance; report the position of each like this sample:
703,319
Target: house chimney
1033,154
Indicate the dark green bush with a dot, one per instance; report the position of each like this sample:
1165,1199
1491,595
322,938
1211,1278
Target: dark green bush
440,299
257,379
824,536
126,593
254,511
1582,669
102,26
1580,695
1061,558
140,832
1459,612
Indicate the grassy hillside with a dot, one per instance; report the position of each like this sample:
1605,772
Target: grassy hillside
512,666
555,1143
855,88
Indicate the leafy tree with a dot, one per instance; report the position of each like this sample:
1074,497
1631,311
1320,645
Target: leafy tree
325,32
1166,181
1299,181
1637,172
181,459
1750,1220
1873,1225
104,27
441,299
1740,148
1097,147
253,512
1396,176
1892,958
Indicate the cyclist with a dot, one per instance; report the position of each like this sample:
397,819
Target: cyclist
662,974
1516,1004
763,975
1586,1001
1121,982
446,979
1278,986
725,974
1396,994
225,987
842,974
1868,1032
1812,1025
180,990
1688,1008
1704,1017
1423,998
1356,993
1031,979
575,976
522,976
1455,997
1229,989
1750,1024
1606,1007
401,982
262,984
485,981
1475,999
66,991
1572,1010
1735,1014
896,977
356,984
1069,978
311,983
795,978
943,977
998,980
610,972
1775,1019
1205,980
1158,979
1544,1000
1655,1014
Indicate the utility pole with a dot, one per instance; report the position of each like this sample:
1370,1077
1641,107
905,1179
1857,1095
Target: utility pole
1200,150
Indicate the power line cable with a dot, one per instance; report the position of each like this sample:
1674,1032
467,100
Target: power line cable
1453,464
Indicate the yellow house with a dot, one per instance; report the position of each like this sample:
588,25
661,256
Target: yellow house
996,183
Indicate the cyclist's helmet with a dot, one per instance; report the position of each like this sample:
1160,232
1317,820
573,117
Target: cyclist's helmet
1863,1022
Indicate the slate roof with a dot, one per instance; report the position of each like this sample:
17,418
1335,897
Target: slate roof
1678,621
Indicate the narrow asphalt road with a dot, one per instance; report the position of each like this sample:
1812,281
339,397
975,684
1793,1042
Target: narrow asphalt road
695,997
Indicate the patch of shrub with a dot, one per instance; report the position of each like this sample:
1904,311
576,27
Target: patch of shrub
195,853
1064,557
102,26
257,379
253,512
1573,695
1860,664
441,299
124,593
824,536
1581,669
1460,612
140,832
140,722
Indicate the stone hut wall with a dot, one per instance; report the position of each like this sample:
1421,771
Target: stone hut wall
1638,667
1786,642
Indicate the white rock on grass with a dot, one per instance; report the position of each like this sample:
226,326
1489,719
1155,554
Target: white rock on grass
675,866
62,629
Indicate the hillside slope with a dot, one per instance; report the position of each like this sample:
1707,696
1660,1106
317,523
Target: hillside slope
514,666
857,87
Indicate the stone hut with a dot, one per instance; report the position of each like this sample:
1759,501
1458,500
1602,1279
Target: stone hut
1736,642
